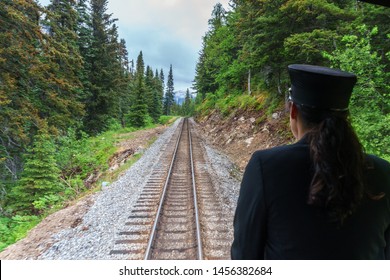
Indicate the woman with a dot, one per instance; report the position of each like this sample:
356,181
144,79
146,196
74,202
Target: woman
322,197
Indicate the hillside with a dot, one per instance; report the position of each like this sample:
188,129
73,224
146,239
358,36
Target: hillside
241,133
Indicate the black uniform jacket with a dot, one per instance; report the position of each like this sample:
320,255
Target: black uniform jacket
274,221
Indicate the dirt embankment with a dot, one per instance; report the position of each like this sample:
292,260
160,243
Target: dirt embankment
242,133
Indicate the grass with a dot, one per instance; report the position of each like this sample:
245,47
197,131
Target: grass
230,104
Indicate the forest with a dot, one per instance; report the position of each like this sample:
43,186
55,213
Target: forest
246,51
66,82
67,85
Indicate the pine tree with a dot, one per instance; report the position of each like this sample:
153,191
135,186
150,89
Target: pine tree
161,88
162,78
186,107
38,82
153,87
149,89
124,81
40,184
169,93
65,62
213,57
158,96
84,41
19,36
103,103
139,110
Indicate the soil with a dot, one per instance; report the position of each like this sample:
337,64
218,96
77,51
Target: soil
241,134
237,136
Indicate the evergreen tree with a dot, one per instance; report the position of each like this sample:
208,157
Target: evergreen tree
205,77
40,184
162,78
39,81
65,61
187,109
161,89
158,96
149,89
124,83
153,88
19,60
84,41
169,93
217,56
119,75
103,103
139,110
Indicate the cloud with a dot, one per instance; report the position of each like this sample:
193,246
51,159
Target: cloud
184,18
160,50
167,31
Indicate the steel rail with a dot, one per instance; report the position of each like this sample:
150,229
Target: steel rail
153,233
197,223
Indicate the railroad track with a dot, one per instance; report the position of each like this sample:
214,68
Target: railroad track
177,215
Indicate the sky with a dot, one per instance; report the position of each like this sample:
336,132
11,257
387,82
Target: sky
166,31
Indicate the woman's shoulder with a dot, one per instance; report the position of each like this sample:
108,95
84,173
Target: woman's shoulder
377,163
378,173
283,151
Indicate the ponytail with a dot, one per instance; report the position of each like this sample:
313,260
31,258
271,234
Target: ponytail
338,162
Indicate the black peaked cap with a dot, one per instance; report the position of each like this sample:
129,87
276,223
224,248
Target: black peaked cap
321,87
378,2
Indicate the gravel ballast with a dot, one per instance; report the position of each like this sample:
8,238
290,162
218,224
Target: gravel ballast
94,237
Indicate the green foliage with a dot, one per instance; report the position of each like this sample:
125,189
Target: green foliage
370,103
154,93
74,152
39,81
250,46
166,119
105,74
77,159
233,103
308,46
40,176
139,109
46,202
169,94
15,228
188,107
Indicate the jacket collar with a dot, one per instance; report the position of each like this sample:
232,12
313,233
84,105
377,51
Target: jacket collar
304,140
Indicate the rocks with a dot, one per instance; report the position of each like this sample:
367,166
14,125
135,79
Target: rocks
277,115
241,134
249,141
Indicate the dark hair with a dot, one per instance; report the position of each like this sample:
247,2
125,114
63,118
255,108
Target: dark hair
338,162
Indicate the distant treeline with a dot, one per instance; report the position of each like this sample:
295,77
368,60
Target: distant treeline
247,50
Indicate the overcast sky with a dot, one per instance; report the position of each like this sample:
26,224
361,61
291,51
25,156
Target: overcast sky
167,32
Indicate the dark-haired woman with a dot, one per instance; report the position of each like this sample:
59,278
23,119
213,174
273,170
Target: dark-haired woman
322,197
